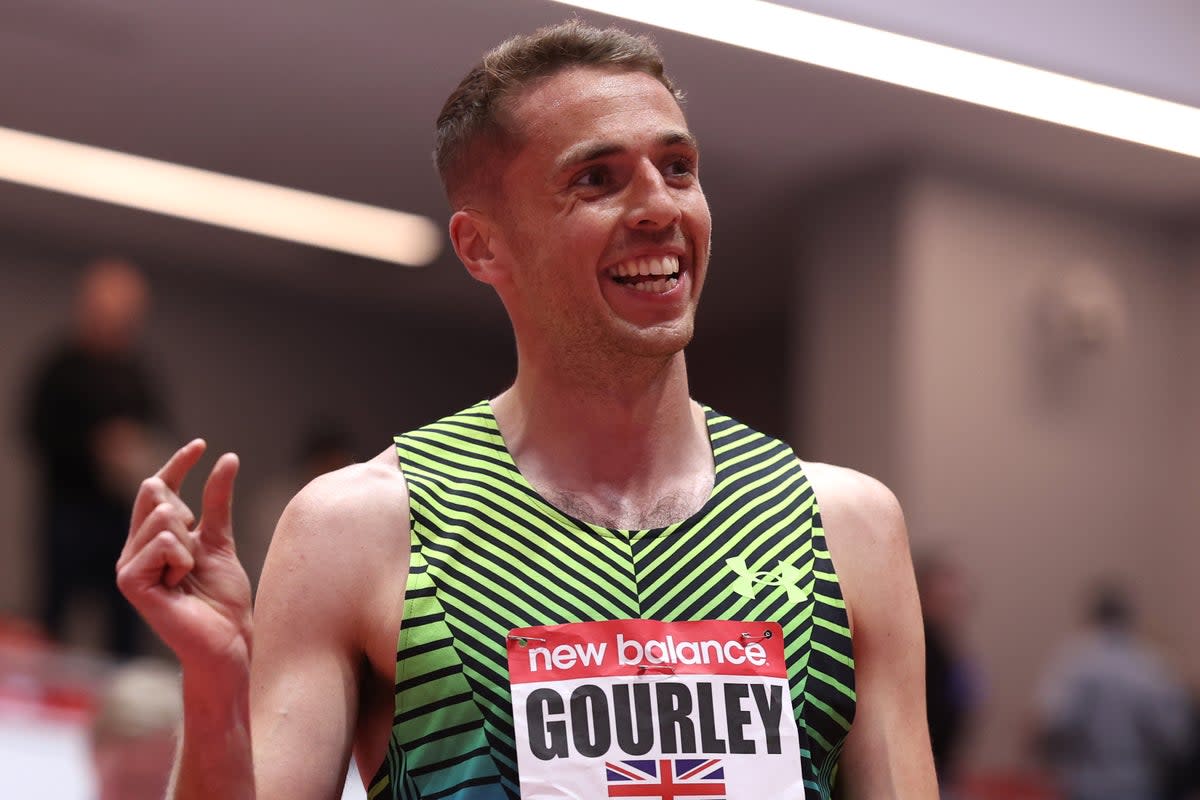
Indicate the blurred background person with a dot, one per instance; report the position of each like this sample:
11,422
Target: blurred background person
92,412
1184,781
952,683
1113,721
134,733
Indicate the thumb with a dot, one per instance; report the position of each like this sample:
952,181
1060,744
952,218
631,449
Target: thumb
216,519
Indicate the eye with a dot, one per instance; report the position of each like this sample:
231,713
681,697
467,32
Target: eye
681,167
592,178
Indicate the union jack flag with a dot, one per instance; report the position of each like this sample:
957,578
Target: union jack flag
667,778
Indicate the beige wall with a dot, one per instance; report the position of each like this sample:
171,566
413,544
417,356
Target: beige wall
1045,465
1038,460
845,325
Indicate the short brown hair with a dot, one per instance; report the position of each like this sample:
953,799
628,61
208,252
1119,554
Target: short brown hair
471,120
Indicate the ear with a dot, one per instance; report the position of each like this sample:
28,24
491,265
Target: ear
472,234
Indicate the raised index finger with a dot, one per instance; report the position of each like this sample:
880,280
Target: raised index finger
180,464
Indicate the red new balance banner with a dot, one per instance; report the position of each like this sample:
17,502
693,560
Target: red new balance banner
643,708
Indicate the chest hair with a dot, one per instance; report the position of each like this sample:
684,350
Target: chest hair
669,508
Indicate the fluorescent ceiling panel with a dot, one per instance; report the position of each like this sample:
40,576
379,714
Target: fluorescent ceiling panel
217,199
916,64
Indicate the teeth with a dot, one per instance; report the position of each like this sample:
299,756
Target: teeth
657,287
666,265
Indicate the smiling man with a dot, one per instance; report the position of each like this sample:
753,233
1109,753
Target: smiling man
589,586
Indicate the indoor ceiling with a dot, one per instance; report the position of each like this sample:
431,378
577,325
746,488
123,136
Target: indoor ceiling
340,99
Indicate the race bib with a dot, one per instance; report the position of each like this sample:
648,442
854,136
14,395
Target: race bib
648,709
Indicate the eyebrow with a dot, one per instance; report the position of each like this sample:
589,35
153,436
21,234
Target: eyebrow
591,151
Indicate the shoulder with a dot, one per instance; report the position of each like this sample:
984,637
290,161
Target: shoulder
347,498
337,535
866,535
861,506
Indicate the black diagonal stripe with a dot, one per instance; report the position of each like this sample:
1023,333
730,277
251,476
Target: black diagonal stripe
436,705
415,650
458,787
732,459
428,677
718,424
416,622
497,460
831,667
445,733
422,592
482,750
472,435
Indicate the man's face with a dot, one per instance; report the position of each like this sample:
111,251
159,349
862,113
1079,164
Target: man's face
602,217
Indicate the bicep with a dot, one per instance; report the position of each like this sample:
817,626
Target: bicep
887,752
305,668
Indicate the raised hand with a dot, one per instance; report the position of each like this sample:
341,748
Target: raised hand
183,576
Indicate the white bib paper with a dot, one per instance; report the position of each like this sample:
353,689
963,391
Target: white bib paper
649,709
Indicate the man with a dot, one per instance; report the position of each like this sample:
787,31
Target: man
1113,719
590,497
93,410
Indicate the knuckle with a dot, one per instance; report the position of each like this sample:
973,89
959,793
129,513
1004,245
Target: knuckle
166,539
124,577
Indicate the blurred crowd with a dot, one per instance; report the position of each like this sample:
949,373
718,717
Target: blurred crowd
1110,719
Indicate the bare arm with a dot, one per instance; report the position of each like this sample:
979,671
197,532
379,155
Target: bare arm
183,577
887,754
299,693
326,620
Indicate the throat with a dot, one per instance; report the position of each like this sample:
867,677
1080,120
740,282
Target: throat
620,513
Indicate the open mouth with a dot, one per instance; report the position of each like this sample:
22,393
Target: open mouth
656,274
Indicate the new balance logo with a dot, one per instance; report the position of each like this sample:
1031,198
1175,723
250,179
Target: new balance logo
746,584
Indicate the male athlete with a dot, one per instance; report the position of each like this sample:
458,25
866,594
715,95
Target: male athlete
650,582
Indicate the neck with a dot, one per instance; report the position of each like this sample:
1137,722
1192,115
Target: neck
621,445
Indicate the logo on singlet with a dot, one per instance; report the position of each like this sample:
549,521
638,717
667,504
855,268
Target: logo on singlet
746,584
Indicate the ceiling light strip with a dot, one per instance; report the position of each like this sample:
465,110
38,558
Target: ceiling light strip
917,64
217,199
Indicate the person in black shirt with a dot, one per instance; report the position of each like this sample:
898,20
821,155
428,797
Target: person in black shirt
92,410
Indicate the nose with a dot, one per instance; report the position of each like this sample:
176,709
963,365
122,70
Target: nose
652,205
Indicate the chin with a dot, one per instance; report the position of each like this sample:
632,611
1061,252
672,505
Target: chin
657,342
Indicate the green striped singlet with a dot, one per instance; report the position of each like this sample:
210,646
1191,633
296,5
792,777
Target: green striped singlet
489,554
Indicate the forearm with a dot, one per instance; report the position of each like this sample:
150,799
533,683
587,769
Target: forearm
215,755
